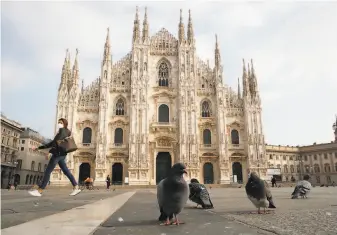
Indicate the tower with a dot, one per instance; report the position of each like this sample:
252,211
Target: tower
139,117
67,100
255,148
220,114
104,97
187,90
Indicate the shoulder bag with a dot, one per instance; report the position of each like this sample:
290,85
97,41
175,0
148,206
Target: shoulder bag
68,144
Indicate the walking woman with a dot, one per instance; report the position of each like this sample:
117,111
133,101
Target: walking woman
58,157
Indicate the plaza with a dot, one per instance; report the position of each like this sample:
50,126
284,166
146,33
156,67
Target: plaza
135,211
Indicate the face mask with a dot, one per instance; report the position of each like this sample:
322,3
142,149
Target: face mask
60,125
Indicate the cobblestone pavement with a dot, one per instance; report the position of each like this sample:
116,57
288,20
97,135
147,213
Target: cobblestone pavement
135,212
315,215
18,207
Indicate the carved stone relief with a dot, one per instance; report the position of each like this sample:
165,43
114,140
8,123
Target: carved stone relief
164,142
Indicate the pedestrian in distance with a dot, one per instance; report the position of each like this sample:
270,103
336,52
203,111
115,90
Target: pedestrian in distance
58,157
273,182
108,181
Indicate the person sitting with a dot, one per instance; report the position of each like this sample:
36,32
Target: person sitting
199,194
88,182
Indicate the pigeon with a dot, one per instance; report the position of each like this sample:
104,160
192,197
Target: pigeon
302,188
258,192
199,194
174,193
162,216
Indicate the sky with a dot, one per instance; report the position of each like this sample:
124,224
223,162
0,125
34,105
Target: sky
293,45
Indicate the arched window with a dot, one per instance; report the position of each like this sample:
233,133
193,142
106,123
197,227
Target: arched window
307,168
163,113
316,168
292,168
120,107
206,110
298,169
163,74
118,136
235,137
39,167
327,167
285,167
32,166
207,137
87,133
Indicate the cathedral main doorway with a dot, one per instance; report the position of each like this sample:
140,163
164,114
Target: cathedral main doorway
84,172
163,165
237,170
117,173
208,173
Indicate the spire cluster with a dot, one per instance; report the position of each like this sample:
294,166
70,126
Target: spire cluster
249,80
137,36
181,29
69,77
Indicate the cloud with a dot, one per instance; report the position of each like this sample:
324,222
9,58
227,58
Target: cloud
294,46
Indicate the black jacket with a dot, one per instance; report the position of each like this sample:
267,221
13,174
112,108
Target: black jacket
55,150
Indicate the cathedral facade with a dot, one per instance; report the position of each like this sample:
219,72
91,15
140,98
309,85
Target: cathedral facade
158,105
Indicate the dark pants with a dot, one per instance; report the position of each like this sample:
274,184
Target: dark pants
108,185
54,160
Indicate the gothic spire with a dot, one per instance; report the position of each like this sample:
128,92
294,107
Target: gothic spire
69,71
68,61
136,27
64,73
75,69
190,33
181,31
217,56
245,81
252,79
75,66
145,26
107,52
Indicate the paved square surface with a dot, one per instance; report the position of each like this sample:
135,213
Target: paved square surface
135,212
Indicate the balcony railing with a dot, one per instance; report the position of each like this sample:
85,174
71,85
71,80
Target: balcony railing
208,146
236,146
163,123
86,145
119,145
